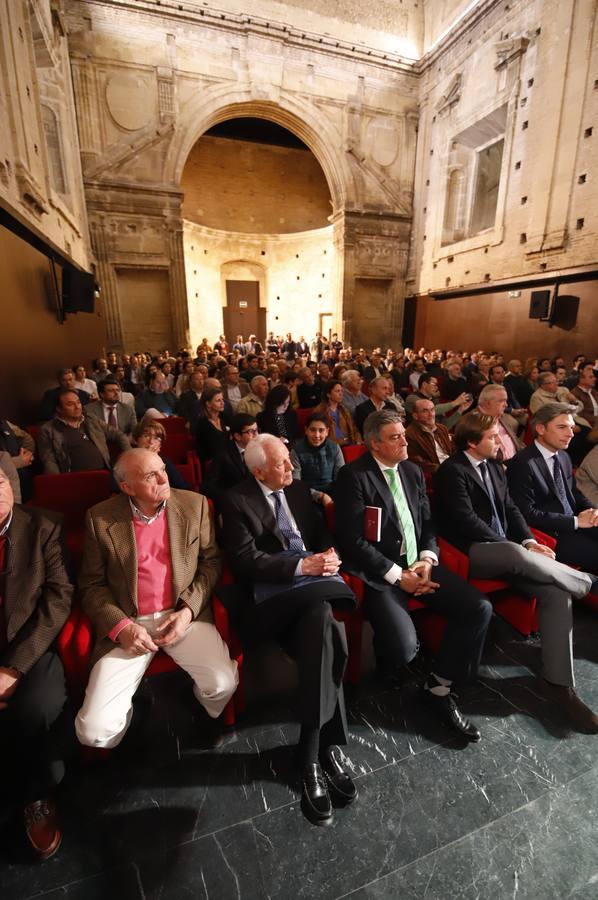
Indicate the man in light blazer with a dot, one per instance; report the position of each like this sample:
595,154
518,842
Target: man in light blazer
475,512
149,566
110,410
403,563
35,601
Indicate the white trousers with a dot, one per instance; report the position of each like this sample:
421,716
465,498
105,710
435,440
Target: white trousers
106,713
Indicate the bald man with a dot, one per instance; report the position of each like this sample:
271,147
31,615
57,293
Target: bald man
148,571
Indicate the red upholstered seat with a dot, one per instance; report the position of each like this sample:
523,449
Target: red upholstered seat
517,609
302,417
353,451
174,425
176,446
72,494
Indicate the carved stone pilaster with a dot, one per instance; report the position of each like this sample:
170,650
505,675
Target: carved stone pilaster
178,285
100,242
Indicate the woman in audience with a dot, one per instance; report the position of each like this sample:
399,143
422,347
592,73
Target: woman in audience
83,383
316,460
342,428
277,417
168,373
212,430
149,434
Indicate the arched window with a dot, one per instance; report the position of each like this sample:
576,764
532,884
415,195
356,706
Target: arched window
51,131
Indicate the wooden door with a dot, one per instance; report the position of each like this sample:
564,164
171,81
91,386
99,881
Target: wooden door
243,314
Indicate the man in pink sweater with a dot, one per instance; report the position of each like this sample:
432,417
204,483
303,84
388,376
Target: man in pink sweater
149,568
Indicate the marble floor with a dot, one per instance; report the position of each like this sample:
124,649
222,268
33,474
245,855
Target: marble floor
169,816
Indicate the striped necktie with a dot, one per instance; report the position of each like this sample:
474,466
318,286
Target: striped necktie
559,483
293,539
405,517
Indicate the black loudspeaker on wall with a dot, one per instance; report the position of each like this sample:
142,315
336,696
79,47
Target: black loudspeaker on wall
564,311
78,291
539,304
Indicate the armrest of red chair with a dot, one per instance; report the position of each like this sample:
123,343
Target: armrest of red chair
542,538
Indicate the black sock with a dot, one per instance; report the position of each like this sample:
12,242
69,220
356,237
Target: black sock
309,744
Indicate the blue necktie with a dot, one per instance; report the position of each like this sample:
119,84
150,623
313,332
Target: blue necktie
559,483
495,524
293,539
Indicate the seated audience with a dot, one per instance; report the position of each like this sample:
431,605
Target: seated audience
279,549
101,370
447,413
278,418
352,393
518,414
549,392
149,434
182,382
188,403
212,429
493,402
163,601
428,442
455,383
253,402
378,399
20,448
74,442
517,384
397,563
376,368
586,393
110,409
475,512
66,381
156,396
234,387
342,428
586,477
36,601
317,460
541,484
228,468
83,383
308,395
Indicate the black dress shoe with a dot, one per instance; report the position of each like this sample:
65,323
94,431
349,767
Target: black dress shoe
340,783
447,709
315,799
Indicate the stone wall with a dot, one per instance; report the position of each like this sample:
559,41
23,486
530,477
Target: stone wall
40,171
150,81
297,274
238,185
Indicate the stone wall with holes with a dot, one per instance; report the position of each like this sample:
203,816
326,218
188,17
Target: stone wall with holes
297,275
150,80
40,172
524,72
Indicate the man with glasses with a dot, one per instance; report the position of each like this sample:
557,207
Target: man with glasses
228,468
35,601
148,571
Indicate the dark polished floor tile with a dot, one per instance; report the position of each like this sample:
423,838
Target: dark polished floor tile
115,884
219,866
544,851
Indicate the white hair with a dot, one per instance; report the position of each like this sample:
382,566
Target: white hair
256,454
123,463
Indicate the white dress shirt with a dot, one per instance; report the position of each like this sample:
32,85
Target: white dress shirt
395,573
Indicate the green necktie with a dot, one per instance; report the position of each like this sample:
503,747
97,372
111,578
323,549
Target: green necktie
405,517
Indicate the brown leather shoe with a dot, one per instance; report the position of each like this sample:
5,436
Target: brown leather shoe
581,716
42,829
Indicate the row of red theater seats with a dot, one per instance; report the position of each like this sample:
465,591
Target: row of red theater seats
76,639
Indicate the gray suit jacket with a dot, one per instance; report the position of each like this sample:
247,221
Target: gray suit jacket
38,593
53,453
125,415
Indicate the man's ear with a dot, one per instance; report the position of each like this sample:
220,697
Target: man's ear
126,489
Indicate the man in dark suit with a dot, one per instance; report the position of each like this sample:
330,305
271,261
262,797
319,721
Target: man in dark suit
375,368
228,468
35,601
380,390
399,566
475,513
188,403
282,556
542,485
110,410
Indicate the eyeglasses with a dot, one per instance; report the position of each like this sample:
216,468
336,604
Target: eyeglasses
250,430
